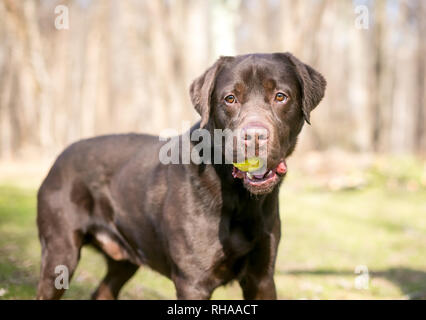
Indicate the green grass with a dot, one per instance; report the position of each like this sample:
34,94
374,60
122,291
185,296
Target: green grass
326,235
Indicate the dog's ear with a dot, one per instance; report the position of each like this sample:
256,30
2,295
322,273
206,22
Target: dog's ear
312,83
202,88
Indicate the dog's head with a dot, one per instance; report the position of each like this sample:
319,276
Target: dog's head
264,99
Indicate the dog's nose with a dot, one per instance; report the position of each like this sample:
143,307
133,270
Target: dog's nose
255,134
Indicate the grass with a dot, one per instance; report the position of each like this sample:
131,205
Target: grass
326,235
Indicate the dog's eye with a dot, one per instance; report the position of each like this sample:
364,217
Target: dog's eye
281,97
230,99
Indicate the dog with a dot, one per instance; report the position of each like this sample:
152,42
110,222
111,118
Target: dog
200,224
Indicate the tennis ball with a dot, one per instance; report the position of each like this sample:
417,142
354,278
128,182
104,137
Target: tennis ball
249,165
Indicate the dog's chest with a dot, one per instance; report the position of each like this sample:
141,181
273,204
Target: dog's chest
240,230
236,245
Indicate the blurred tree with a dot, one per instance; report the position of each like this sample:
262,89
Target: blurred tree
126,66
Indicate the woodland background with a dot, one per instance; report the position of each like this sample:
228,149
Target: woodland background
126,66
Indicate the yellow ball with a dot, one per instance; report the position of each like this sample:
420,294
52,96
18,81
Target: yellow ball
249,165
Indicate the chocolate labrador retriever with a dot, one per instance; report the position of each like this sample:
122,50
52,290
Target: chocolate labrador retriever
202,225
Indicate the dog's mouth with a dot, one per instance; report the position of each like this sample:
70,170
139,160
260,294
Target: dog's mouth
261,180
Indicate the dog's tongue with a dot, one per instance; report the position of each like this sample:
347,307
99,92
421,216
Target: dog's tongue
282,168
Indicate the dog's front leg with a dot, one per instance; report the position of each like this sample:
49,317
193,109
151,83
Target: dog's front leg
255,288
257,280
187,289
